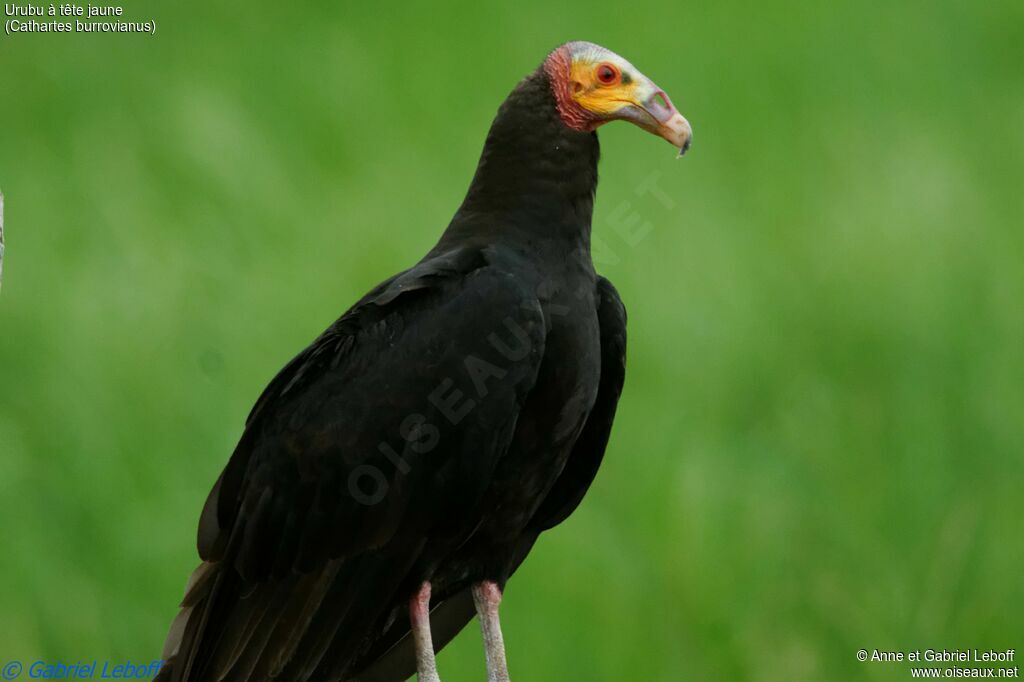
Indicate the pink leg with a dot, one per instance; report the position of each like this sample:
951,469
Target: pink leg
419,620
487,597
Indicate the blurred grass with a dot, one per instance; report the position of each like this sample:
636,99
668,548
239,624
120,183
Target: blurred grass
820,444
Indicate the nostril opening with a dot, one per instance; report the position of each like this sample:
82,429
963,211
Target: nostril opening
659,97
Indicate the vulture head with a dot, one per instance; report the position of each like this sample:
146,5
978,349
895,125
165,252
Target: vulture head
593,86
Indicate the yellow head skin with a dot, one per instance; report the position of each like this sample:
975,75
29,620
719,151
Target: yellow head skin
594,85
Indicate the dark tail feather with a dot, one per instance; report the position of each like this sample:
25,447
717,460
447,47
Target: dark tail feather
186,626
393,658
312,626
351,616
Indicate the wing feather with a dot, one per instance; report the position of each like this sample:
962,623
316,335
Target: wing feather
588,452
302,556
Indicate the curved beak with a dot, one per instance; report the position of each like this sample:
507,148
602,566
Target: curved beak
655,113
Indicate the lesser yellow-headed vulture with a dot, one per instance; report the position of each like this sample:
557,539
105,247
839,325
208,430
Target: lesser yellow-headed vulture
393,475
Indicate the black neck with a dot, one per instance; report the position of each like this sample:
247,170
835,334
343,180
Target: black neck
536,177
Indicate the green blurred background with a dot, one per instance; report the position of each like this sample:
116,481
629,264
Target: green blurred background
821,442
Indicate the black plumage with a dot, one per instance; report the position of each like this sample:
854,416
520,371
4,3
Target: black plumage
454,413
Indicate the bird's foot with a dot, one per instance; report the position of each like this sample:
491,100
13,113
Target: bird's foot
419,620
487,597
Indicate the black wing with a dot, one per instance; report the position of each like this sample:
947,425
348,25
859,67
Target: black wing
587,453
395,655
384,430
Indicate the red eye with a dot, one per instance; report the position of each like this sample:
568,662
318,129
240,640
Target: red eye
607,74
